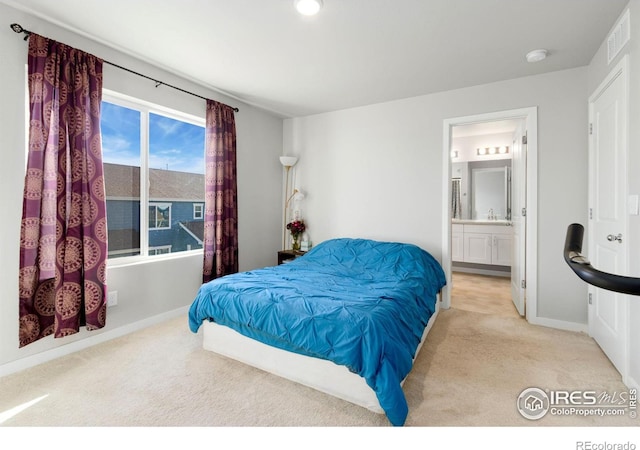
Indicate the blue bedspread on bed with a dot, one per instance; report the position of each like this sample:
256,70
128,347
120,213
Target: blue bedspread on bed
360,303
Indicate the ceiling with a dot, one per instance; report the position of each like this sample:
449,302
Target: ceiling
353,53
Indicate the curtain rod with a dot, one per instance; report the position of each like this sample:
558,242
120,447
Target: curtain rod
18,29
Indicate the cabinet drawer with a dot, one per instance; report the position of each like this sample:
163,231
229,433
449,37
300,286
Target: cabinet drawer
489,229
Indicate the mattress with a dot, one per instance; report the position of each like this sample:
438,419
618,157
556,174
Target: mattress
358,303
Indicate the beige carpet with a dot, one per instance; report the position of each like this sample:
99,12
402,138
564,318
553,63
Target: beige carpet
469,373
482,293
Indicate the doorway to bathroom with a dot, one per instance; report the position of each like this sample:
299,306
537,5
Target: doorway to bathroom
488,251
487,294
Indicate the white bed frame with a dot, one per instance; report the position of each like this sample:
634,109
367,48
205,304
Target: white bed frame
320,374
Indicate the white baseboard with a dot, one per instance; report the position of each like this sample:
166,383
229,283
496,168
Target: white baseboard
559,324
630,382
627,379
495,273
34,360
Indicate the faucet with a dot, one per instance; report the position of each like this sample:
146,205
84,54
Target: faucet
491,216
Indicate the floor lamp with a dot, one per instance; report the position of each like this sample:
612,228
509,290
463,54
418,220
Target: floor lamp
288,162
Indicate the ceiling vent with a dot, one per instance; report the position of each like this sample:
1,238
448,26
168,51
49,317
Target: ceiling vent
618,37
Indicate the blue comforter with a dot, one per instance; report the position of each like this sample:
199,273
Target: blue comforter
359,303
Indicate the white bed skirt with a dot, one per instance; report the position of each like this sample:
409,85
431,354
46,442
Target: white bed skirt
320,374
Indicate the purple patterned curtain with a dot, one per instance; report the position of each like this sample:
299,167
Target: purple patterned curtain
63,237
221,194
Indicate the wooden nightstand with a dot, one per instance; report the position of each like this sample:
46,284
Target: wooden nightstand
288,255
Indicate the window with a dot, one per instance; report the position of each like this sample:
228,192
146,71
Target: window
163,250
145,145
198,211
159,216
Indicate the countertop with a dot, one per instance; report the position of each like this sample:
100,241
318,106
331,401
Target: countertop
506,223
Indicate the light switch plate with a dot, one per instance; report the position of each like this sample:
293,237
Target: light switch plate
112,298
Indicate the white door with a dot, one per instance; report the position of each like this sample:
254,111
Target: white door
608,211
518,219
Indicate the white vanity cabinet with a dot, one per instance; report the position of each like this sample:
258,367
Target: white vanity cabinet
481,243
457,242
501,249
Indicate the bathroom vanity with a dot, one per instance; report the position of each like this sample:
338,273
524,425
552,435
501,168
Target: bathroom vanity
481,231
481,242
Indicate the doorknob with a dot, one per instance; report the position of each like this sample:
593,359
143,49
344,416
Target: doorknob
612,238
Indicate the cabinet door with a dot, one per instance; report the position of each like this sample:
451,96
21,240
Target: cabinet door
477,248
457,246
501,250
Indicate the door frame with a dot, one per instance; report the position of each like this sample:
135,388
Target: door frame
530,116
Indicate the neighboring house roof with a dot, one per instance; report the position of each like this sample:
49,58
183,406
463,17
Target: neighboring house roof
123,182
195,229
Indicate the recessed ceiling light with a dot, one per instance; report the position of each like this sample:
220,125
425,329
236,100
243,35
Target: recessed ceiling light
308,7
536,55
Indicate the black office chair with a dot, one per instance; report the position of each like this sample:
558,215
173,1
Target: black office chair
583,268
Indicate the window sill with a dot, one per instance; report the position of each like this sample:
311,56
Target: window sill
139,260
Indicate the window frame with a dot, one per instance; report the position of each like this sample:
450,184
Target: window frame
146,108
198,215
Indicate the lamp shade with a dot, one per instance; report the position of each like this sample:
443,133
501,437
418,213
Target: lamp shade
288,161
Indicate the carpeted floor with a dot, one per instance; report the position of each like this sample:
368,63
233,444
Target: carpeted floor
469,374
482,293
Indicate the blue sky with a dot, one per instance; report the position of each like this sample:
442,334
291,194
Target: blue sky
174,145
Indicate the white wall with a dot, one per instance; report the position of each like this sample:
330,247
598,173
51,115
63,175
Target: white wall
598,70
377,172
150,291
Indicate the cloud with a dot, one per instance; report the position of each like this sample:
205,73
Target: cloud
167,126
173,144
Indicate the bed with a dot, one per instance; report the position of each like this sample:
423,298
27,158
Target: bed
347,318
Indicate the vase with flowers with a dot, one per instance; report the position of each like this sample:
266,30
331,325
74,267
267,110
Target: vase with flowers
296,228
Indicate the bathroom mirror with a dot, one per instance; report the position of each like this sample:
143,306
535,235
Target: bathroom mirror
490,193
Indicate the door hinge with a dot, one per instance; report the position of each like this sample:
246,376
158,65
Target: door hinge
524,212
590,298
523,284
590,213
590,128
524,139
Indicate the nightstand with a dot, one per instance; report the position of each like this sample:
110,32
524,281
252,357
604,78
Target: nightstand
288,255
